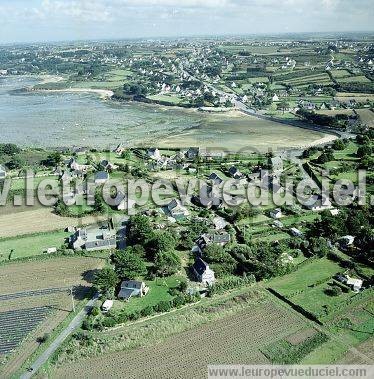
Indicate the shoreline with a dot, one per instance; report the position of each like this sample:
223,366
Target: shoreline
104,93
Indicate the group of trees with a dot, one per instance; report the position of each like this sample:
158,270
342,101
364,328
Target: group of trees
321,119
149,253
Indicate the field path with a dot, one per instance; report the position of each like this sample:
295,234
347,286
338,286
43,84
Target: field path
77,320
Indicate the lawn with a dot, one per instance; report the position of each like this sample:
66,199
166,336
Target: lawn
158,291
31,245
20,184
170,99
307,275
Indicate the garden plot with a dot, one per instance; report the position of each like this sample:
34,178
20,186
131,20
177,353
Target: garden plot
17,324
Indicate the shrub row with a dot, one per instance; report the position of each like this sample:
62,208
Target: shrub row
232,282
115,318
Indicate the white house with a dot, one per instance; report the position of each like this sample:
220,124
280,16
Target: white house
275,97
296,232
276,213
202,272
356,284
154,153
107,305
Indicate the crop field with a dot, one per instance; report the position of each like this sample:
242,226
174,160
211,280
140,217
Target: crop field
17,324
340,73
358,96
38,220
231,340
366,116
321,79
306,289
354,79
35,299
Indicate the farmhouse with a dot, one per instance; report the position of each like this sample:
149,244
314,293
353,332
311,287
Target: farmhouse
296,232
130,288
192,153
101,237
317,203
202,272
206,239
154,153
346,241
215,178
356,284
207,197
106,165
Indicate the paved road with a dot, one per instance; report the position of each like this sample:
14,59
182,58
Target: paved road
74,324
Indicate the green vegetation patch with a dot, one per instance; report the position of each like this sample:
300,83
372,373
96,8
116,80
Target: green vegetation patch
284,352
27,246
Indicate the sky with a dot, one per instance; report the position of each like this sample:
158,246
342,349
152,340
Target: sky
61,20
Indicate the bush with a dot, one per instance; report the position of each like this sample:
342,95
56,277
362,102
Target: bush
333,291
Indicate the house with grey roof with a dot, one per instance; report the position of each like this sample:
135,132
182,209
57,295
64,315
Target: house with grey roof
101,177
203,273
215,178
98,237
234,172
132,288
176,210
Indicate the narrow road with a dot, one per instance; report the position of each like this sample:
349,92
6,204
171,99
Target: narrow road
74,324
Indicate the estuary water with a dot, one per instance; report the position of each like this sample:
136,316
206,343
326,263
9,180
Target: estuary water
59,119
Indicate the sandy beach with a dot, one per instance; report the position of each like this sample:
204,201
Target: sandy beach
104,93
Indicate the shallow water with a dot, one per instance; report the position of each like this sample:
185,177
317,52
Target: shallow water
65,119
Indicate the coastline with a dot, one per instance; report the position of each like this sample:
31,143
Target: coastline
104,93
229,113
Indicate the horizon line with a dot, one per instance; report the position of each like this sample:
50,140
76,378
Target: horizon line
196,36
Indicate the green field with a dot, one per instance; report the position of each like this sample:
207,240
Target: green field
31,245
354,79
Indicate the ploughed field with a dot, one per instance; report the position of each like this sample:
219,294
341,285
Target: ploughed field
234,339
34,299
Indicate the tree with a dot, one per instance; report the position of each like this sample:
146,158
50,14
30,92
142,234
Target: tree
100,205
53,159
15,163
283,105
140,230
106,280
338,145
9,149
319,246
333,291
221,261
128,265
364,151
160,242
326,156
167,263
